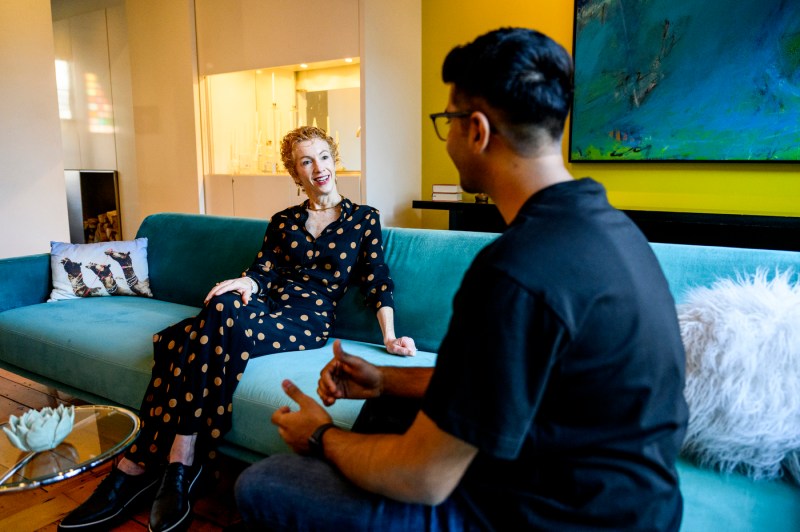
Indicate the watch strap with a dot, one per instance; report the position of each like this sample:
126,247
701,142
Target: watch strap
315,441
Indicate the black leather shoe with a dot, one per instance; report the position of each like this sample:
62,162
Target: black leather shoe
113,501
172,508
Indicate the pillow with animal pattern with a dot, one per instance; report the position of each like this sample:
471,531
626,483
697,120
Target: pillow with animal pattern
117,268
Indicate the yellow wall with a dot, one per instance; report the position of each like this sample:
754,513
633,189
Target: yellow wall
742,188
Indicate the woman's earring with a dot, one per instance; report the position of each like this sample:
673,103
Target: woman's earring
299,188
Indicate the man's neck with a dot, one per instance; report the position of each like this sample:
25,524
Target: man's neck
521,178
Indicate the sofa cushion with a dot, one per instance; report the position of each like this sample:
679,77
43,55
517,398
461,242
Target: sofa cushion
100,345
189,252
259,393
106,268
427,267
735,503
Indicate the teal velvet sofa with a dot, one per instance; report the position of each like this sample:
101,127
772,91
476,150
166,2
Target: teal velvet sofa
100,348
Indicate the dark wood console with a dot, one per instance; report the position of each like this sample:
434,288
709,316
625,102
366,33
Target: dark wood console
731,230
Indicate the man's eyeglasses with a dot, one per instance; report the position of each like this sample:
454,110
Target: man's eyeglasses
441,122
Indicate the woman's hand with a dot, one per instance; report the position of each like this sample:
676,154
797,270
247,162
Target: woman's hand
240,284
403,346
348,377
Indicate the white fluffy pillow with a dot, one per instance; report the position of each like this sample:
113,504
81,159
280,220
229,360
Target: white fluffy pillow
117,268
742,342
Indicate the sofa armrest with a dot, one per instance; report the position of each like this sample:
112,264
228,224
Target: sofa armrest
24,280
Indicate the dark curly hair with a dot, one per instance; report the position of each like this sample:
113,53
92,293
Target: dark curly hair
525,76
301,134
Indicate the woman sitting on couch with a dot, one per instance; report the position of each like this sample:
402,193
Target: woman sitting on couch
285,301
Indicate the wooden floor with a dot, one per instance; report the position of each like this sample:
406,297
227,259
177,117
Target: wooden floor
41,509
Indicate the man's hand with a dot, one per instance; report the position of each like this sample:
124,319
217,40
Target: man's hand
296,427
403,346
348,377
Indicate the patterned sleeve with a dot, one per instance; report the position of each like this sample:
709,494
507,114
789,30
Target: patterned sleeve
262,270
376,284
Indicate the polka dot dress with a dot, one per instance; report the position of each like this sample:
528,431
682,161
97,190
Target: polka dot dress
198,362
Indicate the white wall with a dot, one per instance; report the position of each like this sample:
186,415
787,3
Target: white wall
247,34
391,63
161,40
33,200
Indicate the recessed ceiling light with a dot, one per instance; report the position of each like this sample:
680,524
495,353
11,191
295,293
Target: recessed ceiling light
348,59
303,65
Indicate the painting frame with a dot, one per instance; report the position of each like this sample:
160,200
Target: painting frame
680,81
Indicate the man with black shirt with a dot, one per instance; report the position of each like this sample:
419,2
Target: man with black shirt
556,401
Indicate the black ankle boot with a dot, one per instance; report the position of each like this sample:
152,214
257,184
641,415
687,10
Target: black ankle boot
112,502
172,508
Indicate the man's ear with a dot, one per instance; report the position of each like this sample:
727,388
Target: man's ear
479,131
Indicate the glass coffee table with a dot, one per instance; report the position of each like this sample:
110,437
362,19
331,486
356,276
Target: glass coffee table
99,434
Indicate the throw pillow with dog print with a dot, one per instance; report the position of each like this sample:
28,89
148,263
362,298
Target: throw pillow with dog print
117,268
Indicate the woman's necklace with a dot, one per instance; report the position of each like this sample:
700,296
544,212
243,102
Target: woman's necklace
310,208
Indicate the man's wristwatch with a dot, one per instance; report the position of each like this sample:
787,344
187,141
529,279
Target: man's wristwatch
315,441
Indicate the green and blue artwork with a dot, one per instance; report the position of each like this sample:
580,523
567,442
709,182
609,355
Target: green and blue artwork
686,80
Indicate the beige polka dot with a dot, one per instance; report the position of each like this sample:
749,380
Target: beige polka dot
204,368
304,317
217,381
307,332
198,412
276,345
301,348
309,253
189,396
248,333
261,336
153,448
156,383
236,303
220,410
218,350
215,433
156,338
292,338
340,231
173,403
319,302
239,376
373,255
171,344
167,417
205,392
193,335
370,277
227,357
177,372
245,355
353,245
343,256
279,326
158,411
284,297
202,323
230,406
203,340
191,357
229,322
294,245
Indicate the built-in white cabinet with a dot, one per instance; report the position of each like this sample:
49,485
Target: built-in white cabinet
261,196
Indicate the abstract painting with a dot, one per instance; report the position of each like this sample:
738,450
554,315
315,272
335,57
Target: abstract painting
686,80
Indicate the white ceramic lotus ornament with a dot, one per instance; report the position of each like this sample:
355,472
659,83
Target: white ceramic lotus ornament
40,430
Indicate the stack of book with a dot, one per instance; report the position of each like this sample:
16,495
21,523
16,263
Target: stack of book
446,193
